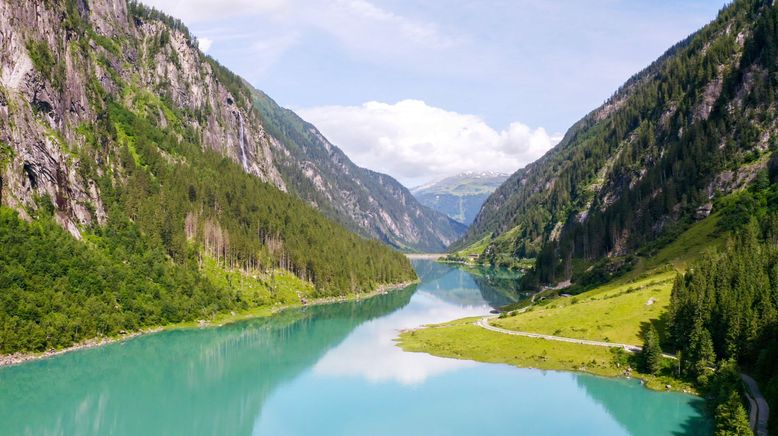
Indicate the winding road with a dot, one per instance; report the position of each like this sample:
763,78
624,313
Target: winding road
759,410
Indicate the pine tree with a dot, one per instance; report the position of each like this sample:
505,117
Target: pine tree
731,418
651,354
699,356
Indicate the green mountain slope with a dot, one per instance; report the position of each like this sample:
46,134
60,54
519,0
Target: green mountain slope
370,203
460,197
138,186
696,125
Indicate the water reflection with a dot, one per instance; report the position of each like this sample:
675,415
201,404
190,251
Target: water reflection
322,370
445,293
627,403
211,381
469,286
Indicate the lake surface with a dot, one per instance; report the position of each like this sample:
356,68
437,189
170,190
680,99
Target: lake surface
328,370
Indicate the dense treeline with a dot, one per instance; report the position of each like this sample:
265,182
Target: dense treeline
725,309
177,204
635,171
57,290
205,197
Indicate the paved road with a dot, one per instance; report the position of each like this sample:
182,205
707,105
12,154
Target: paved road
759,411
758,419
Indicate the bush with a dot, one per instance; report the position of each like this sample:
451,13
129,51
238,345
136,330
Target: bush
44,61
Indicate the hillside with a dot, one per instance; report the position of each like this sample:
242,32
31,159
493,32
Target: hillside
370,203
460,197
696,125
139,186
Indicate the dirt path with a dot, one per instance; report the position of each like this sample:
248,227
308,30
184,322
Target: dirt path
484,323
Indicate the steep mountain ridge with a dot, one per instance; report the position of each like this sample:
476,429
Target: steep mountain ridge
365,201
697,124
139,187
153,64
461,196
47,95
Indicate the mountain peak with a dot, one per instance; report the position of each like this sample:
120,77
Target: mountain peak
460,196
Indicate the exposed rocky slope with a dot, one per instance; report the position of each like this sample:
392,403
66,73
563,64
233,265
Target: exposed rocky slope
460,197
102,102
368,202
115,128
61,61
51,86
697,124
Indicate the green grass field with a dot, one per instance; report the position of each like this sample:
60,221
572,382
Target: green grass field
614,312
462,340
619,310
686,247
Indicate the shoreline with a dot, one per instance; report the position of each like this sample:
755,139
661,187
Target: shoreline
462,339
8,360
425,256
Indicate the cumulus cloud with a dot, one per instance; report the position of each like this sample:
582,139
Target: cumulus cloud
416,142
204,44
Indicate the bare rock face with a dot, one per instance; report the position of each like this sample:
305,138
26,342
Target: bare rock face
48,82
64,64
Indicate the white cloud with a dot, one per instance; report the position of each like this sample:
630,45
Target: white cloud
415,142
204,44
363,26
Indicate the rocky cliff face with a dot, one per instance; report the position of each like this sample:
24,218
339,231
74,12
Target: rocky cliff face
62,63
52,84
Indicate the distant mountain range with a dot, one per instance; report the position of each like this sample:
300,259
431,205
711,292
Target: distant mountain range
461,196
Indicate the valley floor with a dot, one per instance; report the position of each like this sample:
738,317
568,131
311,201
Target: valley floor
630,306
615,313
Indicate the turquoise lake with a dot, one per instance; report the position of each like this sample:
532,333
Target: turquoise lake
329,370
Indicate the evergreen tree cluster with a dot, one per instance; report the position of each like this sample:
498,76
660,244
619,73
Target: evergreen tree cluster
725,309
143,267
650,357
634,172
204,197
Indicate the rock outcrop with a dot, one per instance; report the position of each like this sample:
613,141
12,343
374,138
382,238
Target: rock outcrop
63,63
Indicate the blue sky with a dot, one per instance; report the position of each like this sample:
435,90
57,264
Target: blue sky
425,89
